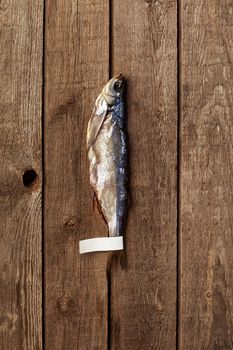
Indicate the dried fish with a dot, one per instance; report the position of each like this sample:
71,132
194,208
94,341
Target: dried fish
107,153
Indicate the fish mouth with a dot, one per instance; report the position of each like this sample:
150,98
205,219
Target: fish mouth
119,77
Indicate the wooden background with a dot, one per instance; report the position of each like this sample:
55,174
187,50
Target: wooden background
174,287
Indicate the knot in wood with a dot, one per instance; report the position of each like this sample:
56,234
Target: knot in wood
64,304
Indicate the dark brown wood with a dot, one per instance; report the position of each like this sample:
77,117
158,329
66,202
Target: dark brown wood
136,308
143,295
77,65
206,313
21,28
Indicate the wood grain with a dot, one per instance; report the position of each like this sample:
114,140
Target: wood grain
143,295
21,45
206,175
77,66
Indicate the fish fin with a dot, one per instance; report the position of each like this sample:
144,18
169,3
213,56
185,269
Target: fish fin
95,203
116,258
96,121
97,206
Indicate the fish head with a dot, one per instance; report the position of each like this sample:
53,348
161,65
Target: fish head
113,89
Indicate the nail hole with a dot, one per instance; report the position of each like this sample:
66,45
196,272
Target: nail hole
30,179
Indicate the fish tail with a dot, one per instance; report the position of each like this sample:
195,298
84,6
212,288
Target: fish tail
115,259
110,258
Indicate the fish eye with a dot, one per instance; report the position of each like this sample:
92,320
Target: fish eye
117,86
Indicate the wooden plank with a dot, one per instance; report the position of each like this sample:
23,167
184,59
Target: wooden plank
206,187
20,149
143,295
77,65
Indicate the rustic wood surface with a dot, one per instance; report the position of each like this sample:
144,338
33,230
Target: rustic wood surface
21,30
206,314
76,68
177,57
143,295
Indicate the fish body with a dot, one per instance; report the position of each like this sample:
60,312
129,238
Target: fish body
107,153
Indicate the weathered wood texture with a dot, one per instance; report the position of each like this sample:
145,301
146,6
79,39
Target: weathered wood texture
143,295
206,313
137,309
77,66
21,45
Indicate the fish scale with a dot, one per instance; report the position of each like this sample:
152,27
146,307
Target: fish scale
107,153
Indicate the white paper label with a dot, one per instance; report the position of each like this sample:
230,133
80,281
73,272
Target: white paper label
101,244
